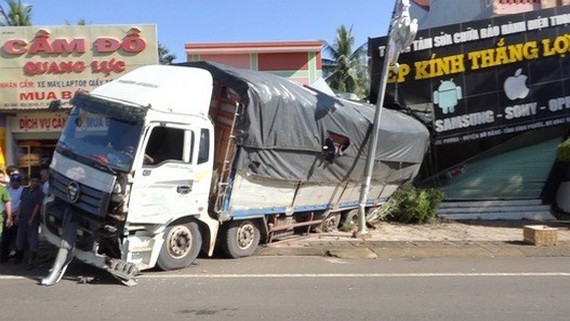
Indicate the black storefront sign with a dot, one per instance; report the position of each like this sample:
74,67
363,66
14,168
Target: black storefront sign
484,78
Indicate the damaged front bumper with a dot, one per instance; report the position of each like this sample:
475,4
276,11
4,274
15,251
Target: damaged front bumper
88,257
80,236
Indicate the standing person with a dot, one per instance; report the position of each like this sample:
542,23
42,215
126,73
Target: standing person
29,219
6,219
9,237
44,173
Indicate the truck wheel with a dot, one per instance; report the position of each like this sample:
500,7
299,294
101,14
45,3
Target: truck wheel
349,221
240,239
182,243
329,224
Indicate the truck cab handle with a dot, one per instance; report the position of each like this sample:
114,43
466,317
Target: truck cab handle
183,189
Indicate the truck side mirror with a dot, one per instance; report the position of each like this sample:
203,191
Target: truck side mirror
54,105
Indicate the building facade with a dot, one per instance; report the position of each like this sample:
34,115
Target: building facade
295,60
459,77
435,13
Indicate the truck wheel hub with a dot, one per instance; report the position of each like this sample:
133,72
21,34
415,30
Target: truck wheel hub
245,236
330,223
179,241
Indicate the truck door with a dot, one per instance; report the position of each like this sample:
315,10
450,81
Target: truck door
169,183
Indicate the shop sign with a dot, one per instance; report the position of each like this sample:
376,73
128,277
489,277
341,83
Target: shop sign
41,64
484,78
38,122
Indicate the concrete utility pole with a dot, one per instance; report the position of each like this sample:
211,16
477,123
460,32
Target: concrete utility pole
401,33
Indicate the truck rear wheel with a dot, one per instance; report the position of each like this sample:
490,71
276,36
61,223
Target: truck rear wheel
240,239
349,221
182,243
329,224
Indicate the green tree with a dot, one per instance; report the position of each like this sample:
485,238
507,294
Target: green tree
165,57
345,69
80,22
15,14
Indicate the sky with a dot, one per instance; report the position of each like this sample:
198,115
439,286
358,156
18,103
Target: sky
205,21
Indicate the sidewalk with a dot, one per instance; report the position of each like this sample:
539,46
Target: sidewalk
449,239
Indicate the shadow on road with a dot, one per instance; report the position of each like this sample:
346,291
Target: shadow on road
77,272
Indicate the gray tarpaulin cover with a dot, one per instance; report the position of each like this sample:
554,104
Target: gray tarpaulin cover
285,127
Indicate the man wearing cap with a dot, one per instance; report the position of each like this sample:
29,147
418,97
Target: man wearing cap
9,237
6,216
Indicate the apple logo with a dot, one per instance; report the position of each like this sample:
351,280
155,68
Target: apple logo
515,86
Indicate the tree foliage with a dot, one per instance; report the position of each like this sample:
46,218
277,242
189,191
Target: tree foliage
563,151
15,13
80,22
165,57
412,205
345,68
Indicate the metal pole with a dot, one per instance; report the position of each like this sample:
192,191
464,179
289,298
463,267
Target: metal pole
362,229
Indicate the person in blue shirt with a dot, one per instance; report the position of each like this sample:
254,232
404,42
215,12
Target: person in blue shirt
29,219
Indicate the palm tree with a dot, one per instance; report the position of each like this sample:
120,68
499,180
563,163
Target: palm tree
346,70
165,57
18,14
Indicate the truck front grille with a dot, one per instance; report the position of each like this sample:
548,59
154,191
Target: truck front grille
89,200
53,221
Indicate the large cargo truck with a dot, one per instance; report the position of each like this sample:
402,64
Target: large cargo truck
167,161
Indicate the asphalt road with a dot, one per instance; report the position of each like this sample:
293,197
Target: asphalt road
304,288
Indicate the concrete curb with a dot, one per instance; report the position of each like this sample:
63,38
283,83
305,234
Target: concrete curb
389,249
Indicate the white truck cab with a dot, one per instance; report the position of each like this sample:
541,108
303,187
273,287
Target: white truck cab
133,170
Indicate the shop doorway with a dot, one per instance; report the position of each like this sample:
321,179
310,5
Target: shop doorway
32,155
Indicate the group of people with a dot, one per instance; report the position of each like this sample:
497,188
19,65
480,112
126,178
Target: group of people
21,215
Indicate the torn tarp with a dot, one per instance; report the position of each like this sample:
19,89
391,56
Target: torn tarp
292,132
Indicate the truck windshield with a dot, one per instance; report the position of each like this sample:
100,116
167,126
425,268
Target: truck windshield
100,140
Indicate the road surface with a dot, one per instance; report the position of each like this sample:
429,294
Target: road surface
303,288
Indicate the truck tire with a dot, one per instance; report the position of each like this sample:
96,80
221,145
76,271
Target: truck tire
329,224
240,239
349,221
182,243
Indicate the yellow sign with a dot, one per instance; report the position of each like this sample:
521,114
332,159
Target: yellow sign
481,59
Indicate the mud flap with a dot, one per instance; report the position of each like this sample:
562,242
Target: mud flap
65,253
